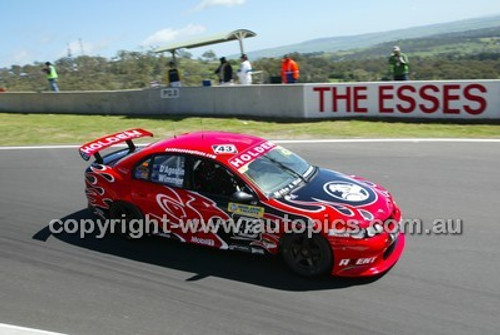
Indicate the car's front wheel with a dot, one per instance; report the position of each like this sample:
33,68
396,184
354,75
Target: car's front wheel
128,220
307,256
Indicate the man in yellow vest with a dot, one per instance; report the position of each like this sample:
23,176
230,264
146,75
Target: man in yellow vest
51,72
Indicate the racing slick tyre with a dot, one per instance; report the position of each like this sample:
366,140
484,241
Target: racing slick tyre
130,223
307,256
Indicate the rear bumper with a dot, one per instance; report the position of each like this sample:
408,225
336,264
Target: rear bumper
367,259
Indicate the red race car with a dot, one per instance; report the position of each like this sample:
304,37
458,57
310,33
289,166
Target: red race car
240,192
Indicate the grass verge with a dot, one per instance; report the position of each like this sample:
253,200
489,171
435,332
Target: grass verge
33,129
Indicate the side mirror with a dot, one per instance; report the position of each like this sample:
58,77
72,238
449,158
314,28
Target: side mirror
242,197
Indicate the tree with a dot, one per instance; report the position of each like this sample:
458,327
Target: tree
209,55
183,53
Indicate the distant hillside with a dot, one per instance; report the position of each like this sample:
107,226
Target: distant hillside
472,42
333,44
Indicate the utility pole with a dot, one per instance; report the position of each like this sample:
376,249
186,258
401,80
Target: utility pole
81,46
69,51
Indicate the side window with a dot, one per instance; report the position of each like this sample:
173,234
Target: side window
211,177
141,171
168,169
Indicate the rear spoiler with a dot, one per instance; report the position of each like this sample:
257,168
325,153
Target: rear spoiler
93,148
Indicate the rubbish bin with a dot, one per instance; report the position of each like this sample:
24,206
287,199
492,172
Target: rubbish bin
275,80
207,82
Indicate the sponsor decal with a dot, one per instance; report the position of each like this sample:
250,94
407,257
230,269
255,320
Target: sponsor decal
249,228
362,261
359,261
349,192
251,154
245,210
191,152
203,241
285,190
224,149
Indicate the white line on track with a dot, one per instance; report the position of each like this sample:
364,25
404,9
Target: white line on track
17,330
33,147
395,140
305,141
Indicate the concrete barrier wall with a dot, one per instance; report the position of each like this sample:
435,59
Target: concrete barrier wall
478,99
255,100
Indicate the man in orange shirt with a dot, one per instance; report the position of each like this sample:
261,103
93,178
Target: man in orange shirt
289,70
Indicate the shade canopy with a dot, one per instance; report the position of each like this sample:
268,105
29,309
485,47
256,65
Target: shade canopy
238,34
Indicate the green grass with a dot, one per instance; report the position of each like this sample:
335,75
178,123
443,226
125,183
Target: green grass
24,129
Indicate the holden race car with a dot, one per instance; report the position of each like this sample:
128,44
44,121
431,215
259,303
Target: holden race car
240,192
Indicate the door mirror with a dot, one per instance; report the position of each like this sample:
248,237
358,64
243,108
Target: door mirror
243,197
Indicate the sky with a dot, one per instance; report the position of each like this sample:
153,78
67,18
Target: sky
35,30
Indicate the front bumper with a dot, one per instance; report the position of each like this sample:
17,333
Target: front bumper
368,257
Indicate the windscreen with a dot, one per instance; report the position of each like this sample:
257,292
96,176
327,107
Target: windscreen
277,170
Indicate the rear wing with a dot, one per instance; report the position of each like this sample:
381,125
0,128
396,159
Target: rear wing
93,148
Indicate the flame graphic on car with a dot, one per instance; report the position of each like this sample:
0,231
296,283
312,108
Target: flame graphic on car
96,181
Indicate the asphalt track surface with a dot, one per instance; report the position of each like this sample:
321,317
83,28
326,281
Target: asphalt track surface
441,285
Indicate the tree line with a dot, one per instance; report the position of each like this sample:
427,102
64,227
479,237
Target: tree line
132,70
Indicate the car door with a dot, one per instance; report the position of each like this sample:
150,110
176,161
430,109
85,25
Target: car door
158,189
243,223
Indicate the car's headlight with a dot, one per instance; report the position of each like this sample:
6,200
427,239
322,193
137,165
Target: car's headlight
358,233
374,229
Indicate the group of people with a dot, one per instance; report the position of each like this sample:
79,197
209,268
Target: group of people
225,71
225,74
398,64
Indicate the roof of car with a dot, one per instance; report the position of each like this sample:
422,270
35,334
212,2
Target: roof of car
208,144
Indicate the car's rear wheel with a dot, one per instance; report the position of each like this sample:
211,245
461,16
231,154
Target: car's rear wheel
129,222
307,256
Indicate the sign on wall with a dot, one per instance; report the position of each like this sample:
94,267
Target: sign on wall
437,99
169,93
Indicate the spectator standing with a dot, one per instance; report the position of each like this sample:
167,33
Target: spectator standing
52,76
289,70
225,72
398,63
245,71
173,75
